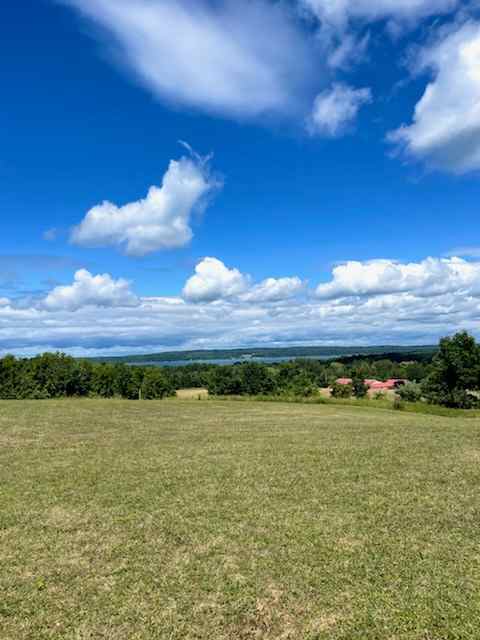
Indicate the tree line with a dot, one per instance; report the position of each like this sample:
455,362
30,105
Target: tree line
56,375
450,378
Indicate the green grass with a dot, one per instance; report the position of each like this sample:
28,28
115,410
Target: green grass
387,404
237,520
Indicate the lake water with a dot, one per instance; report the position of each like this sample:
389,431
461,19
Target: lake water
230,361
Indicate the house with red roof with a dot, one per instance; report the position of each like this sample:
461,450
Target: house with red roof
376,385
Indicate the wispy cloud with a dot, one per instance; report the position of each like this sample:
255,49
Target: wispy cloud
235,58
339,13
335,110
50,234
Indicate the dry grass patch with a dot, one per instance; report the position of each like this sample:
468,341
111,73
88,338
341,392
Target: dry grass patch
192,394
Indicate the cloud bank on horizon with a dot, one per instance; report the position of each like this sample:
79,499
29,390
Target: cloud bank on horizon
379,300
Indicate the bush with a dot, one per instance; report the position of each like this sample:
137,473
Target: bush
341,390
359,388
410,392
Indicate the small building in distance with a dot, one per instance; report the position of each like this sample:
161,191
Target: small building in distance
376,385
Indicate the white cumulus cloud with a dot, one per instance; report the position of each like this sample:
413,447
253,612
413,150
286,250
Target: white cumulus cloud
445,131
335,110
274,290
214,56
87,289
214,281
159,221
376,302
429,278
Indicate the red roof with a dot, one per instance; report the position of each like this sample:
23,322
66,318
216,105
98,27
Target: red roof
380,385
393,383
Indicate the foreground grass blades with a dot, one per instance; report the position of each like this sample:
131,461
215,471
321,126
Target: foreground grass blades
226,520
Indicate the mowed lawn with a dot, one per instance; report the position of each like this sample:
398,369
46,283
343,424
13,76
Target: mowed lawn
235,520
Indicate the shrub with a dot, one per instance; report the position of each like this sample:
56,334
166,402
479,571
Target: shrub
341,390
410,392
359,388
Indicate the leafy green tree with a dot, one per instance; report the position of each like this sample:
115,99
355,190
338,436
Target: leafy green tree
256,379
303,386
415,371
455,373
225,381
359,388
81,380
385,369
128,381
53,374
9,377
156,385
103,381
336,370
361,369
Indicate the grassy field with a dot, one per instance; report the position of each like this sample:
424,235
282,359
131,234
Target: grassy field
237,520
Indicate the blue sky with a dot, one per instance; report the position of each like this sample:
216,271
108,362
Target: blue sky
315,219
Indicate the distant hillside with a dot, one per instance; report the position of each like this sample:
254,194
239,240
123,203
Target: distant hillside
273,352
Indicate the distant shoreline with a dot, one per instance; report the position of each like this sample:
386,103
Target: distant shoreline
261,354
